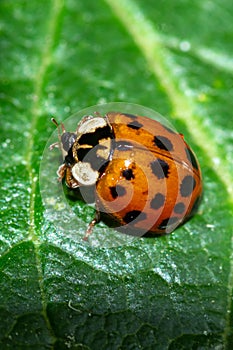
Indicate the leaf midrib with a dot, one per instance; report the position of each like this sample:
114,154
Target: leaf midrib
35,112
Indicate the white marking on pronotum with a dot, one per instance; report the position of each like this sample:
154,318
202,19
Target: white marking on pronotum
90,125
84,174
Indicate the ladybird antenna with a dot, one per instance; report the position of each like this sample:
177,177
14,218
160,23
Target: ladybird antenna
60,130
63,128
53,120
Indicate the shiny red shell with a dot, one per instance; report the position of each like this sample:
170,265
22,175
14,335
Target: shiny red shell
153,181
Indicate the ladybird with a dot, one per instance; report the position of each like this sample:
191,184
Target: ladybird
143,175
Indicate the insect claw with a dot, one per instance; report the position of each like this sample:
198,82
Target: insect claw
91,225
53,120
54,145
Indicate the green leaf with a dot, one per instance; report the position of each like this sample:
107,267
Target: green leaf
57,291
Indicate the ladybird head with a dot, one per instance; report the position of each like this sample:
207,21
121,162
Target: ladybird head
66,139
86,152
91,149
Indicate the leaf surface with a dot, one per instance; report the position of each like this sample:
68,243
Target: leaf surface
58,292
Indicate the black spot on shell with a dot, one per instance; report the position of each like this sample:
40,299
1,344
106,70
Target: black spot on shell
163,143
167,222
191,157
158,201
132,116
134,125
128,174
187,186
117,191
179,208
134,215
160,168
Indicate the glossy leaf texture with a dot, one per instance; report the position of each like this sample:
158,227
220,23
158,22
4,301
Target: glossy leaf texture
57,291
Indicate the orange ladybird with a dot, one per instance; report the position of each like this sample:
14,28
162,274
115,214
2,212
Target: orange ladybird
143,174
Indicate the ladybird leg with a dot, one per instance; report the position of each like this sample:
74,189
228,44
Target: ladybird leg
54,145
70,181
61,172
91,225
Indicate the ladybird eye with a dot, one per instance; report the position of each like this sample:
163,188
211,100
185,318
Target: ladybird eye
67,139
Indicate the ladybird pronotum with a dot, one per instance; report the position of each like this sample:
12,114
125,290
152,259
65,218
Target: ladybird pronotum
143,174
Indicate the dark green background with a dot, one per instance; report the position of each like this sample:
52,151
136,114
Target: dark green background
57,292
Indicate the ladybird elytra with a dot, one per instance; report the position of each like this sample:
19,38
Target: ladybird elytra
145,176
